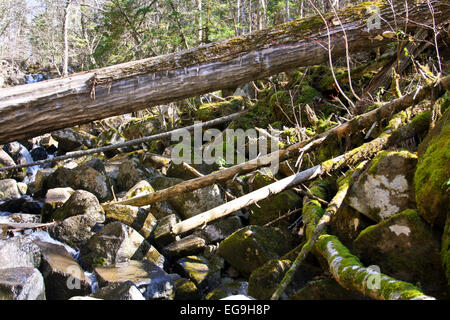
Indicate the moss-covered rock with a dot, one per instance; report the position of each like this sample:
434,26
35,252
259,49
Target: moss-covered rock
406,248
326,289
265,280
252,246
201,271
186,290
210,111
347,224
386,187
274,206
431,179
140,127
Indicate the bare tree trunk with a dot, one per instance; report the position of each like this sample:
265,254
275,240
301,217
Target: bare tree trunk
65,70
30,110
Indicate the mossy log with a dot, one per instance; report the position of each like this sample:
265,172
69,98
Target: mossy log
34,109
350,273
357,124
316,225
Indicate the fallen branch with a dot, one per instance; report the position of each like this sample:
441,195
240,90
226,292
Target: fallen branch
357,124
157,136
394,133
16,227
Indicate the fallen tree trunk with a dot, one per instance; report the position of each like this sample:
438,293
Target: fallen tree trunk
361,122
350,273
31,110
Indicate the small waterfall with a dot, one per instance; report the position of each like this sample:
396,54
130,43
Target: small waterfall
31,171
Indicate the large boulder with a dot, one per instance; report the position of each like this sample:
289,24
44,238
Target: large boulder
189,204
204,273
5,161
130,173
406,248
386,187
63,276
153,281
139,218
432,180
186,246
21,283
251,247
347,224
119,291
117,243
81,177
9,189
70,139
80,214
54,199
274,206
265,280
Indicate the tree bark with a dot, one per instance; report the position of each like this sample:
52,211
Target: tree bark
361,122
31,110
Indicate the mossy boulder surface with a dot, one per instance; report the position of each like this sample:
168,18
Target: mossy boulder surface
252,246
386,187
265,280
432,176
210,111
274,206
406,248
326,289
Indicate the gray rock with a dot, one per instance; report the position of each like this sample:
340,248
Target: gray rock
386,187
189,204
119,291
80,215
21,283
138,218
205,274
81,177
5,161
70,139
162,235
117,243
9,189
81,202
139,189
186,246
55,198
252,246
63,276
19,251
130,173
147,276
218,230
